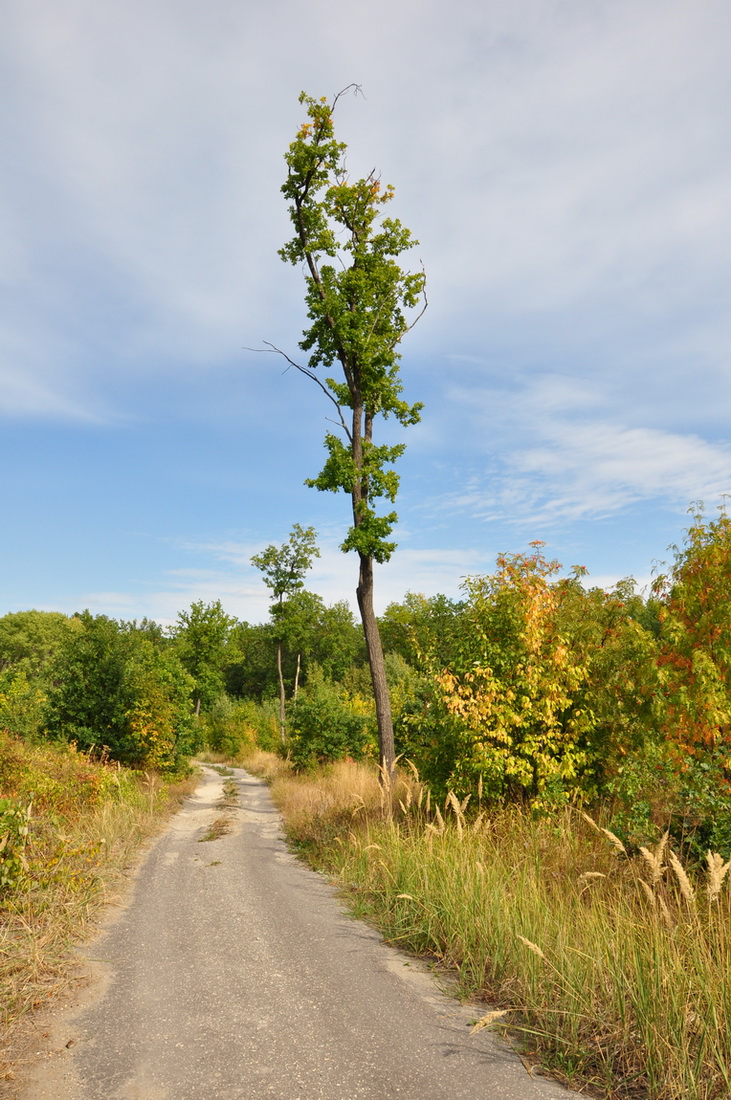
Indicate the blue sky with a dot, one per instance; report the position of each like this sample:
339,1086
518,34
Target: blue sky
566,166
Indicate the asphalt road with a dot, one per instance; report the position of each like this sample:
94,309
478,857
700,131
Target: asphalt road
233,973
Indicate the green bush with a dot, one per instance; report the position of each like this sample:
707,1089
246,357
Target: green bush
327,723
14,829
703,814
22,703
116,687
232,726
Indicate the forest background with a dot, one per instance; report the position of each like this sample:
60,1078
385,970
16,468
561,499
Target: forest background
530,689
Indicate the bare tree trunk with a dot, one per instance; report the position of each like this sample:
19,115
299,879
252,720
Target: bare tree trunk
281,692
378,667
297,676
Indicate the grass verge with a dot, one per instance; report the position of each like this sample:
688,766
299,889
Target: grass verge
613,969
86,823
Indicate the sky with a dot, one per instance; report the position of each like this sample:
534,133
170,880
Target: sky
566,168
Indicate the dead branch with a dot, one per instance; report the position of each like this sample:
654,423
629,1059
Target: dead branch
273,349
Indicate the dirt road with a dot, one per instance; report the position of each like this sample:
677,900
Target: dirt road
233,974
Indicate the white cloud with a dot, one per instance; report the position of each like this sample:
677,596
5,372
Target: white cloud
607,581
23,394
175,591
549,156
601,467
555,456
598,157
334,575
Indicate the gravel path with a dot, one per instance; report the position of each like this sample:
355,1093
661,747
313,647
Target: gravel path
233,974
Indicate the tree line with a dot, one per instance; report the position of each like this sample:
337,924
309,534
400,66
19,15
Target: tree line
532,687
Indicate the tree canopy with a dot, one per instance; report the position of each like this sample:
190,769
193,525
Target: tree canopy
360,303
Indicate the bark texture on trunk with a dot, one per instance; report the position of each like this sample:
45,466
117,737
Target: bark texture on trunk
281,692
297,676
377,665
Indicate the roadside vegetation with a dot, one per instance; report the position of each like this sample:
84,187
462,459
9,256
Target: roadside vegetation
609,967
528,709
70,827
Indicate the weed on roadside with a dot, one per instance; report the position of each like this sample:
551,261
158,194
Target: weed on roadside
218,828
222,825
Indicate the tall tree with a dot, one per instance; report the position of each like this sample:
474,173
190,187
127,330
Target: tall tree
361,304
284,569
200,639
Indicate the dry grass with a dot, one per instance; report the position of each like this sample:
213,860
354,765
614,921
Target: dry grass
267,765
340,791
615,971
89,822
342,794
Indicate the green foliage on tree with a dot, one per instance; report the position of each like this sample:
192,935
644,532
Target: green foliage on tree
200,640
252,672
695,676
329,723
14,830
500,710
30,639
113,689
22,703
420,626
538,689
360,304
338,642
326,636
284,568
229,728
613,634
88,702
696,635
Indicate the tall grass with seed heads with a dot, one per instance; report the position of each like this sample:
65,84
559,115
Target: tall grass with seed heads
612,969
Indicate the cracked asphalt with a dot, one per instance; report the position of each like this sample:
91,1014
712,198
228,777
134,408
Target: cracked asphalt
233,973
